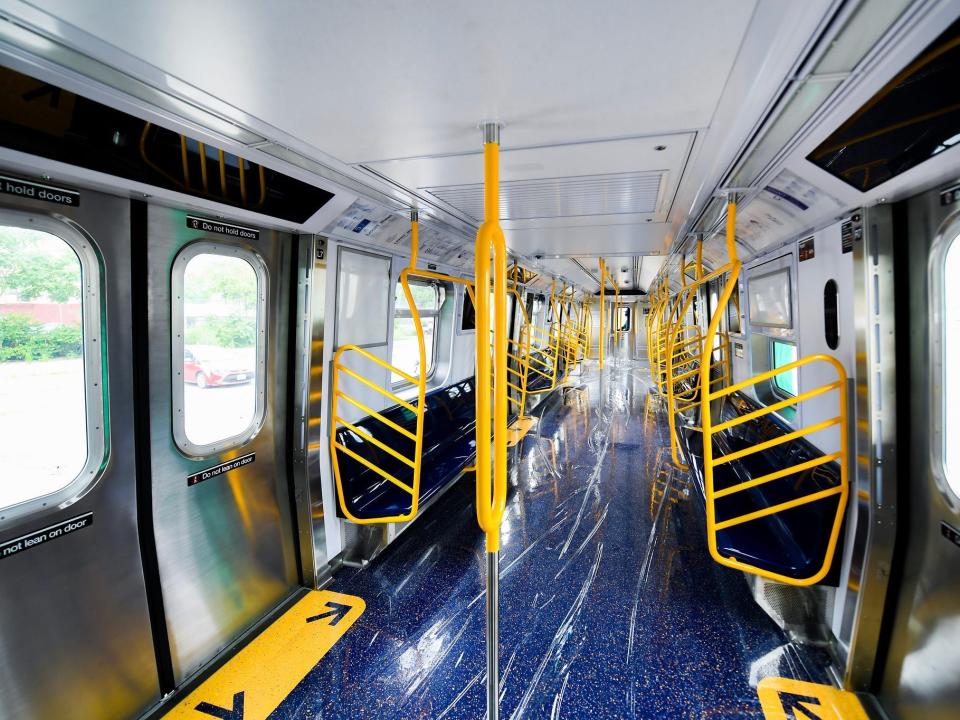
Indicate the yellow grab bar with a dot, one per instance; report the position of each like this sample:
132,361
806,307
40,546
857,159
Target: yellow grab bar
417,409
707,395
491,473
601,341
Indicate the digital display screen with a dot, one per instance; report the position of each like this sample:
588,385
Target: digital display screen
913,118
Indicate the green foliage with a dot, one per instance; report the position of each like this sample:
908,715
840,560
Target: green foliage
22,338
35,264
228,332
214,278
426,296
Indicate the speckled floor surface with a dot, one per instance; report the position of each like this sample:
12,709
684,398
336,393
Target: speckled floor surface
610,604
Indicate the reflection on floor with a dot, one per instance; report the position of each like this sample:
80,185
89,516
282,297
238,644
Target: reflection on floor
610,604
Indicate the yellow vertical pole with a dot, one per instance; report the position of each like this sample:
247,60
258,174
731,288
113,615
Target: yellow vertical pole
706,394
491,489
587,321
603,283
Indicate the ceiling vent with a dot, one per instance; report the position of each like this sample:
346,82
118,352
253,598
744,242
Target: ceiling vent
578,196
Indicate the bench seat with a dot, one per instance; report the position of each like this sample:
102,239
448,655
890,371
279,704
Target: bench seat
449,444
792,542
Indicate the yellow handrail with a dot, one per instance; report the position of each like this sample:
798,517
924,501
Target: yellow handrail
601,341
604,276
708,394
413,488
491,481
416,407
521,357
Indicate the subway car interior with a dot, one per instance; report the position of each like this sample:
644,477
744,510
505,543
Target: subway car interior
432,360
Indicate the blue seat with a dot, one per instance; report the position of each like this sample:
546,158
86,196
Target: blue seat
792,542
536,382
449,443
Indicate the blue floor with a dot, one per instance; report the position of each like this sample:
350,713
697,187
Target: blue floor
610,604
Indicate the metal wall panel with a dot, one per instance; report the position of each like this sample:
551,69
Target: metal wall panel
75,637
872,515
226,545
310,443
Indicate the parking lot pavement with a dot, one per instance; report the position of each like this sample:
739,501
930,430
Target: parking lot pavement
216,413
43,439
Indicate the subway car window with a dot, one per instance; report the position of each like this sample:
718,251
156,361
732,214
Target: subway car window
951,349
733,310
428,297
47,292
831,319
218,359
468,315
783,353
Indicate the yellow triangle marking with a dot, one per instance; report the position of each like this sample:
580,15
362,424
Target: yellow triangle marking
786,699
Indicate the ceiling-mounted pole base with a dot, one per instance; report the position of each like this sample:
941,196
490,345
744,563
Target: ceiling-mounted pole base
491,131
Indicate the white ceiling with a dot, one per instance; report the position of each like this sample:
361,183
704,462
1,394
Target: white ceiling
555,197
371,80
615,89
584,89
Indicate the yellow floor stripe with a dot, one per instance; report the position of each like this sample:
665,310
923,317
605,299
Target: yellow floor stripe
256,680
785,699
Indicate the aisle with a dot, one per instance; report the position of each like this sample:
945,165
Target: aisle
610,604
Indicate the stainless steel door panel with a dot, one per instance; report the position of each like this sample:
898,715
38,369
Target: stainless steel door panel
922,678
225,546
309,443
75,637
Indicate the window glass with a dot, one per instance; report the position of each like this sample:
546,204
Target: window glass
733,310
951,351
784,354
915,117
43,404
623,319
363,298
468,319
220,341
406,355
713,298
770,299
831,319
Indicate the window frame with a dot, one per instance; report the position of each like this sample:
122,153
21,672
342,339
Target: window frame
947,240
399,314
94,361
178,346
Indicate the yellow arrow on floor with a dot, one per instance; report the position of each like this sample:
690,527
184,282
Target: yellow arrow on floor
786,699
256,680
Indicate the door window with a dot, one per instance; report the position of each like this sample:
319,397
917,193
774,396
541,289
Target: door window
949,363
219,347
51,395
